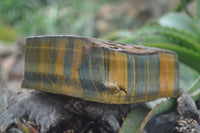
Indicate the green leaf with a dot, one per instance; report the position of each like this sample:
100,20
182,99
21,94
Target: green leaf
196,94
139,117
195,88
165,35
187,76
179,21
134,120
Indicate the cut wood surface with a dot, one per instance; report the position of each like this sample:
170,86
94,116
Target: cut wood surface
98,70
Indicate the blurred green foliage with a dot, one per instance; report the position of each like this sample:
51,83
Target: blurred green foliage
7,33
35,17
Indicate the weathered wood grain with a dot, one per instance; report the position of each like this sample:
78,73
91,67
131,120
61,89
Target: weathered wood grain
98,70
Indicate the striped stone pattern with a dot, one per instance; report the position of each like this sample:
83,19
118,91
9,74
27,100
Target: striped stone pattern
84,68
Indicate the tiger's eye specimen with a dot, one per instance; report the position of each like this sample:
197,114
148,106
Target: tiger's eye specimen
98,70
